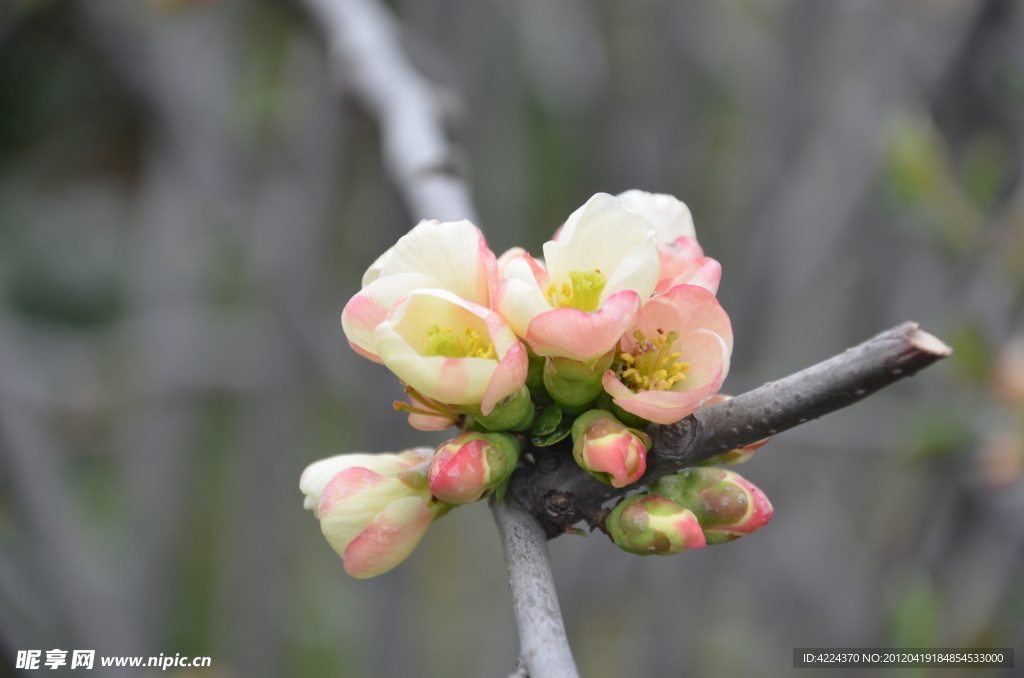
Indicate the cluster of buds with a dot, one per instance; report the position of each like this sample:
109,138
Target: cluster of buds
616,327
692,509
374,508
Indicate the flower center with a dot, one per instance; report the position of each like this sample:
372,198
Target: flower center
583,291
468,344
651,365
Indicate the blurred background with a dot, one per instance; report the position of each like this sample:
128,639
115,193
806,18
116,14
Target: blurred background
188,197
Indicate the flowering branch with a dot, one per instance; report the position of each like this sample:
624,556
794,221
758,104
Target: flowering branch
617,327
559,494
364,44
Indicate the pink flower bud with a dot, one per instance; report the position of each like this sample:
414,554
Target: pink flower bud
727,505
373,509
648,525
608,450
471,466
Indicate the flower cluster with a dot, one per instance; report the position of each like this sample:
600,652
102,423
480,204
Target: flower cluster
616,327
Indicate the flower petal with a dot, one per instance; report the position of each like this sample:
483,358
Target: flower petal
368,308
453,253
599,236
669,215
684,308
316,476
519,299
373,272
388,539
571,333
456,381
507,378
351,500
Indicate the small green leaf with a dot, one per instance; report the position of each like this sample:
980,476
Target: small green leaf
548,421
560,433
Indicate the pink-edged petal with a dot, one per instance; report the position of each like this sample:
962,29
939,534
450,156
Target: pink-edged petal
571,333
348,483
679,251
368,308
366,354
684,308
625,462
702,272
708,274
661,407
388,539
317,475
456,381
708,357
509,376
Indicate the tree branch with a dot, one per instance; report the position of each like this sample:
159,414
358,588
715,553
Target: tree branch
559,494
365,49
544,648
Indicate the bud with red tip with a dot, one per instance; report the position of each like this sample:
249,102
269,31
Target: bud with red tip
609,450
649,525
727,505
471,466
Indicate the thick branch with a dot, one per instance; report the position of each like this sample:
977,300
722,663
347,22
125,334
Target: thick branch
560,494
543,646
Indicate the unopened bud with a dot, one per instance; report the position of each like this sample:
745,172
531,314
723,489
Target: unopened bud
649,525
471,466
608,450
373,509
514,413
574,384
727,505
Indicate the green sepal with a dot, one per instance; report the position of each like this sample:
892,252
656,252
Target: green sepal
514,413
472,425
501,490
574,384
535,373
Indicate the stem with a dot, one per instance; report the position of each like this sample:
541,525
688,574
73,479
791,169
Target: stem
543,645
363,38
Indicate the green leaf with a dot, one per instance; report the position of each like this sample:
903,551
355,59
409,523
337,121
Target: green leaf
561,432
548,421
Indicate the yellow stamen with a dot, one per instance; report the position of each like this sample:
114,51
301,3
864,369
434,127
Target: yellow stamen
583,291
450,345
650,366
